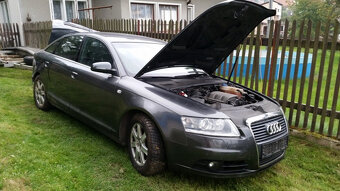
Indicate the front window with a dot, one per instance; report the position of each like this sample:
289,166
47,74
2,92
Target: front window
135,56
69,47
94,51
142,11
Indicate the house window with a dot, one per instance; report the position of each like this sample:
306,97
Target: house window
3,12
191,12
69,10
142,11
168,12
57,9
82,5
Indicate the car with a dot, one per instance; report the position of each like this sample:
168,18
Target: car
61,28
162,100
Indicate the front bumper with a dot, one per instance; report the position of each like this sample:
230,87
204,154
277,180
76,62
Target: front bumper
232,157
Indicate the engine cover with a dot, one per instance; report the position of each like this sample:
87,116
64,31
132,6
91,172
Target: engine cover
221,97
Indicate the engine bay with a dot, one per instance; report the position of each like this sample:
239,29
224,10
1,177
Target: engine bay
215,95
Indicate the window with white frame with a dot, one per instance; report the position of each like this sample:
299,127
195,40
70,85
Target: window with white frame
168,12
191,12
57,9
68,9
82,5
3,12
142,11
155,10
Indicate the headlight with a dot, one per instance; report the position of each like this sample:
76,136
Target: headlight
213,127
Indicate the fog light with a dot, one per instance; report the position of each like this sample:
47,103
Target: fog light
212,164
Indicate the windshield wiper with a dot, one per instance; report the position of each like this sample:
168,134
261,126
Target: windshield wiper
232,70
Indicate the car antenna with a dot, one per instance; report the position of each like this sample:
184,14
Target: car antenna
232,70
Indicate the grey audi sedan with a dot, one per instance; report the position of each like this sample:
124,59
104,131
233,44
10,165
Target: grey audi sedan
162,100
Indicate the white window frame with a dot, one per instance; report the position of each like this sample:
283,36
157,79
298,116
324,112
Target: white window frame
156,8
192,7
144,2
75,8
87,14
4,11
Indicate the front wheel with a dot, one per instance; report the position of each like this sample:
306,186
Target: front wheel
39,94
145,146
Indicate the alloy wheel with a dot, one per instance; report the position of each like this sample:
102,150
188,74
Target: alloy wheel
138,144
39,91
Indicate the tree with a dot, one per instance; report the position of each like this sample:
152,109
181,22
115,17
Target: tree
316,11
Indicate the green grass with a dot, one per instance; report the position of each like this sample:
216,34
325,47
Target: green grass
52,151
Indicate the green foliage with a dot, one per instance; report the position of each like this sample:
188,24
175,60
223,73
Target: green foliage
316,11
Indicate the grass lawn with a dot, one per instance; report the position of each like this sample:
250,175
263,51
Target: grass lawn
52,151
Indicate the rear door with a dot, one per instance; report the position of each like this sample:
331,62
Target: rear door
94,94
60,75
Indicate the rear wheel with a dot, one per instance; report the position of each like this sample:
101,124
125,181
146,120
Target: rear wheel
145,146
39,94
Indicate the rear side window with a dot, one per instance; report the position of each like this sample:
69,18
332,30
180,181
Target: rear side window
94,51
69,47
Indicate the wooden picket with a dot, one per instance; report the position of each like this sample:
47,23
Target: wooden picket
9,35
37,34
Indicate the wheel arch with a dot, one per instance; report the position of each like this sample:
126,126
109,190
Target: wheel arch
124,122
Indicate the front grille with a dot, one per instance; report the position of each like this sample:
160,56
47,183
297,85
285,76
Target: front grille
260,131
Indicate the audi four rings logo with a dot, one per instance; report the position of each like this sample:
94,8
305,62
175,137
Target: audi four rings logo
273,128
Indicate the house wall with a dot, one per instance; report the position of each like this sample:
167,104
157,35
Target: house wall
114,13
38,10
203,5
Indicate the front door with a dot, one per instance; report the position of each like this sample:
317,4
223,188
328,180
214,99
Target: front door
94,93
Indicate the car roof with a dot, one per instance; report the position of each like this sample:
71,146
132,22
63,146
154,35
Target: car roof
123,38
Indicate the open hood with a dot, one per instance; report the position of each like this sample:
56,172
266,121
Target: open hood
211,37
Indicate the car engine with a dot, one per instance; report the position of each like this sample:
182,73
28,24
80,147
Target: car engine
219,94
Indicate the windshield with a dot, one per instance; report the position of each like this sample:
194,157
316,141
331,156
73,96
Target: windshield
134,56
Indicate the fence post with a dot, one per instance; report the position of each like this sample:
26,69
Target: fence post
322,64
273,64
329,76
311,77
304,70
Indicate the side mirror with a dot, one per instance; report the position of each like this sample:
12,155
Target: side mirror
103,67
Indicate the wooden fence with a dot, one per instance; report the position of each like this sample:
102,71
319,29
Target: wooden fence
37,34
9,35
298,66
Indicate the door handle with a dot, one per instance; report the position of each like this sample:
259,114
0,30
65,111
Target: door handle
73,75
46,64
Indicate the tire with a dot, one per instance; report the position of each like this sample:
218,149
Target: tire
39,94
149,161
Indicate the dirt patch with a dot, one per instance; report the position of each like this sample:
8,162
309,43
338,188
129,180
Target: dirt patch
16,184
